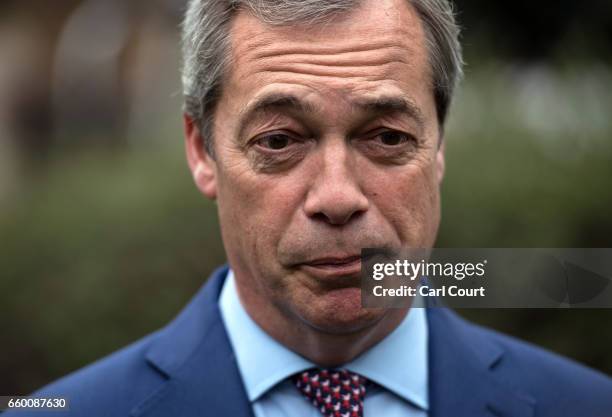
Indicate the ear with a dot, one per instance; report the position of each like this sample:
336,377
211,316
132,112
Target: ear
440,161
202,165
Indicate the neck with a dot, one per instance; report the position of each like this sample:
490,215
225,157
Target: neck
333,349
324,348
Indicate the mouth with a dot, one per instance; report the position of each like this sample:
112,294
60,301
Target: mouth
333,266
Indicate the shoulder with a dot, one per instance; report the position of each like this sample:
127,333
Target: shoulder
111,386
556,382
126,381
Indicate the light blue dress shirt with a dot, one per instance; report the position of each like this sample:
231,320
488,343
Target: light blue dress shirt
397,364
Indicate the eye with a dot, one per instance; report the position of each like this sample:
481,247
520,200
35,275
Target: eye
387,145
275,142
393,138
277,151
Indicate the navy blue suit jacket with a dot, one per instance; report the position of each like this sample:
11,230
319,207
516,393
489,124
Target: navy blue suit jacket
188,369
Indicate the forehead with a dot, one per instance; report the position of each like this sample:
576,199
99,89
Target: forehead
376,49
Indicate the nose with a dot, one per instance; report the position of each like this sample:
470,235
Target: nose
335,196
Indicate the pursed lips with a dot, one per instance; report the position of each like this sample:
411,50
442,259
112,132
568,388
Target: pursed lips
333,260
334,266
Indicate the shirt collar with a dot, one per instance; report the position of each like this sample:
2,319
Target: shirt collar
397,363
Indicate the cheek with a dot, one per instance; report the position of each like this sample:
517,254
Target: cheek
409,200
254,210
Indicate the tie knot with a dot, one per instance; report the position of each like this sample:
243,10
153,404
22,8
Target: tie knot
335,392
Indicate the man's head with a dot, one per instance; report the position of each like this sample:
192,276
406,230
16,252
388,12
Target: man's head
323,125
207,56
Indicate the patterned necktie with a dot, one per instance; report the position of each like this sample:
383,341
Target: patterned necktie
335,392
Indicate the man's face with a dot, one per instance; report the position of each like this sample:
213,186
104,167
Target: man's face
326,141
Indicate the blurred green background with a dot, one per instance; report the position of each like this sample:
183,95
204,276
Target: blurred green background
103,237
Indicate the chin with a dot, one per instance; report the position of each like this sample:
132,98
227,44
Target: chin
339,311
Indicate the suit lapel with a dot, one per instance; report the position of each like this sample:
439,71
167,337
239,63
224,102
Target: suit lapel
195,355
462,379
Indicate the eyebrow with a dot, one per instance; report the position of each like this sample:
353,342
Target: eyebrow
393,104
270,102
275,101
289,102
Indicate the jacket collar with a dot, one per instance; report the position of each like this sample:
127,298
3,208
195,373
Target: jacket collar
194,353
462,377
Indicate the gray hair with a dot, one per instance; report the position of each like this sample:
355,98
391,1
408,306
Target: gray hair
206,46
